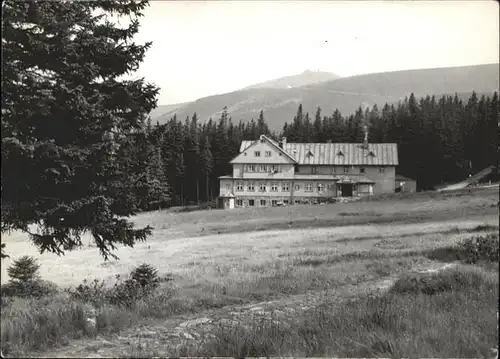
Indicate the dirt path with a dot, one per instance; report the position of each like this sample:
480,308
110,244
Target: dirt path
166,336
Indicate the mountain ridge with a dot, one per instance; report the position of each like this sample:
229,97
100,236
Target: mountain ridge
305,78
343,93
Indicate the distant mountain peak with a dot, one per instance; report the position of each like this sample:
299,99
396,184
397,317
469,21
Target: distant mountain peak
308,77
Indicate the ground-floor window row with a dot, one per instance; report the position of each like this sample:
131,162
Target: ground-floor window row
261,202
253,186
340,189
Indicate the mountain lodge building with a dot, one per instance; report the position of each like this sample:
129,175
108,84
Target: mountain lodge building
269,173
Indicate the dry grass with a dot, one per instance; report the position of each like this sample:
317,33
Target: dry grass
228,269
449,314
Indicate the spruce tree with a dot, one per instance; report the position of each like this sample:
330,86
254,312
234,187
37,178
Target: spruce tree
319,135
63,95
262,125
206,164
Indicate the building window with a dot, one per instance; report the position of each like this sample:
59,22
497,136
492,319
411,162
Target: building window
297,187
263,168
333,170
274,187
309,187
275,169
251,202
251,168
297,201
314,170
346,169
251,186
239,186
381,169
285,187
228,186
320,187
262,202
362,170
262,187
268,153
274,202
257,153
285,201
239,202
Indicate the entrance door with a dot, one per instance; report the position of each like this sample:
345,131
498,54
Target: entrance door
346,189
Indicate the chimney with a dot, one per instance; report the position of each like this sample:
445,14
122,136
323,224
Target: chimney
365,142
283,142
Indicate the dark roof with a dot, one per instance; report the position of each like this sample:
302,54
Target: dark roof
343,153
377,154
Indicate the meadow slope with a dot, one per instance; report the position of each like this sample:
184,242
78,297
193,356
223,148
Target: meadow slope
240,273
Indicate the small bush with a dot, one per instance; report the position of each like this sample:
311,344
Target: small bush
127,293
25,280
481,248
90,292
143,281
146,276
24,270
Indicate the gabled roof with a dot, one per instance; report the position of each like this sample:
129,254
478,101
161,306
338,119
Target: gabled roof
247,144
383,154
347,154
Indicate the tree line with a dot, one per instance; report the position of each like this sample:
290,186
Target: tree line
440,140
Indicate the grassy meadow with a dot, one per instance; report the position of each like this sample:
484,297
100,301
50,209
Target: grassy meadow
340,255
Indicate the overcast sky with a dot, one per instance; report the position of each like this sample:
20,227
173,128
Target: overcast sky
210,47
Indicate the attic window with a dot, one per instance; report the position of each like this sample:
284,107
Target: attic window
340,153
